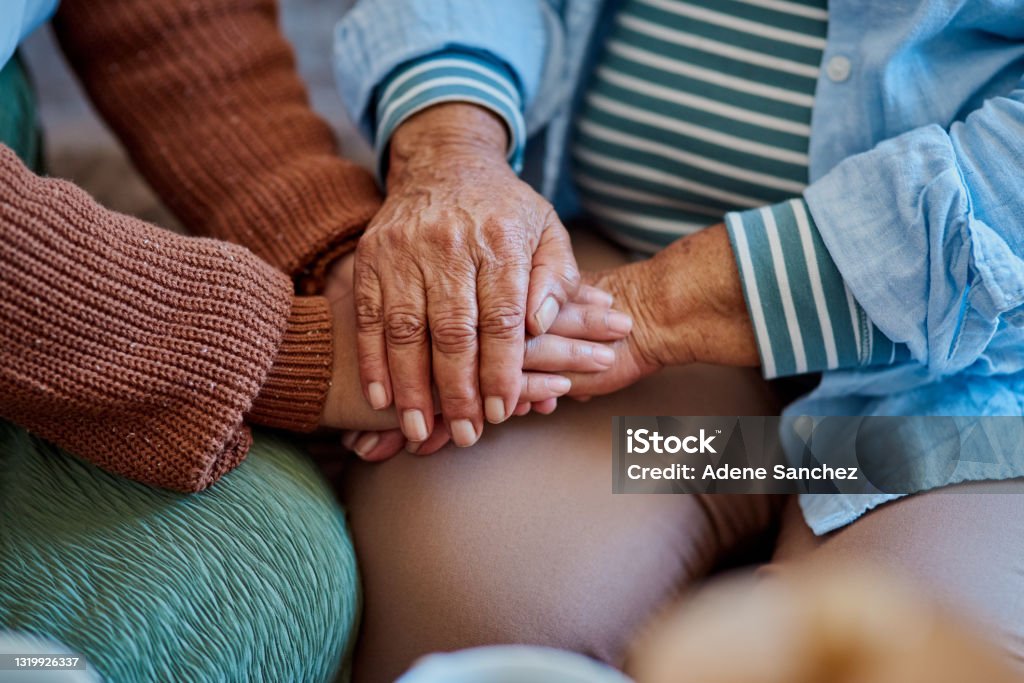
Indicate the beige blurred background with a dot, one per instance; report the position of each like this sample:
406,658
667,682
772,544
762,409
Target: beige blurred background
80,148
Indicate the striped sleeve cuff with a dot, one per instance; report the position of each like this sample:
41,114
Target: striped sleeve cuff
804,316
450,76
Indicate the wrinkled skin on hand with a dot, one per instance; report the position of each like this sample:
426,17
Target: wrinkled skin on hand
687,306
462,261
568,346
572,343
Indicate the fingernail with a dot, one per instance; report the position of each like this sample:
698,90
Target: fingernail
378,395
604,355
619,322
494,408
602,297
349,440
367,442
463,433
558,385
411,447
414,426
547,313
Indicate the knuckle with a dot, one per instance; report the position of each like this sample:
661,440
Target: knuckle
403,328
458,398
373,245
571,278
403,243
454,333
533,388
444,240
505,237
504,321
506,383
369,315
579,351
458,394
533,350
408,390
368,244
370,361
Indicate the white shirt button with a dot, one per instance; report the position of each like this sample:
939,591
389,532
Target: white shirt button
838,69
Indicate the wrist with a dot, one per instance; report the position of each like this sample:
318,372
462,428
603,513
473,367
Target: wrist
454,134
704,316
668,308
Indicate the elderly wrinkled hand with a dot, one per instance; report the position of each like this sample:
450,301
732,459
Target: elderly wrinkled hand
687,306
577,341
462,261
571,344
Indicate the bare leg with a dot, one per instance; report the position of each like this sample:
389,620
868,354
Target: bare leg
963,545
520,539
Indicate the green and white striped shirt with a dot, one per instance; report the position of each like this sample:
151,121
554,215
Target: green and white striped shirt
693,111
698,111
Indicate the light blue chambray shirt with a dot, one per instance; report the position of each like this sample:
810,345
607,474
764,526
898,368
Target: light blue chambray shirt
19,18
916,170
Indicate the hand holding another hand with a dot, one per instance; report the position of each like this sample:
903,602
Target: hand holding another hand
687,306
462,261
571,345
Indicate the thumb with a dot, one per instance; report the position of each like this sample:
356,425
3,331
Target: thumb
554,278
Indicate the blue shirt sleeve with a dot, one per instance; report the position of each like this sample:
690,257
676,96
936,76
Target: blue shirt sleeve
376,38
927,229
19,18
450,76
804,316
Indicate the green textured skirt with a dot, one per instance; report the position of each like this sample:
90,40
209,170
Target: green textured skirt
252,580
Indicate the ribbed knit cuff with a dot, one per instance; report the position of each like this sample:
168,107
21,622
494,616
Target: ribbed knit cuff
451,76
132,347
804,317
293,395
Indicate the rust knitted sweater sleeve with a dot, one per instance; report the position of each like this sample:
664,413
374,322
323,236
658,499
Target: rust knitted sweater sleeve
141,350
206,97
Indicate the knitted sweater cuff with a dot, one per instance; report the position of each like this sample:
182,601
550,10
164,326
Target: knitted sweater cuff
293,395
134,348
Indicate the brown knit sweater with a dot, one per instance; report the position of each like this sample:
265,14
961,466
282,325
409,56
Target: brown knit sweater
141,350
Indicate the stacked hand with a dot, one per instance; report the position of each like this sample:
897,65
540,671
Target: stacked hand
462,261
572,344
466,301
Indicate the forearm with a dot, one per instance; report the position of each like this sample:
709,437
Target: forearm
926,228
206,97
138,349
